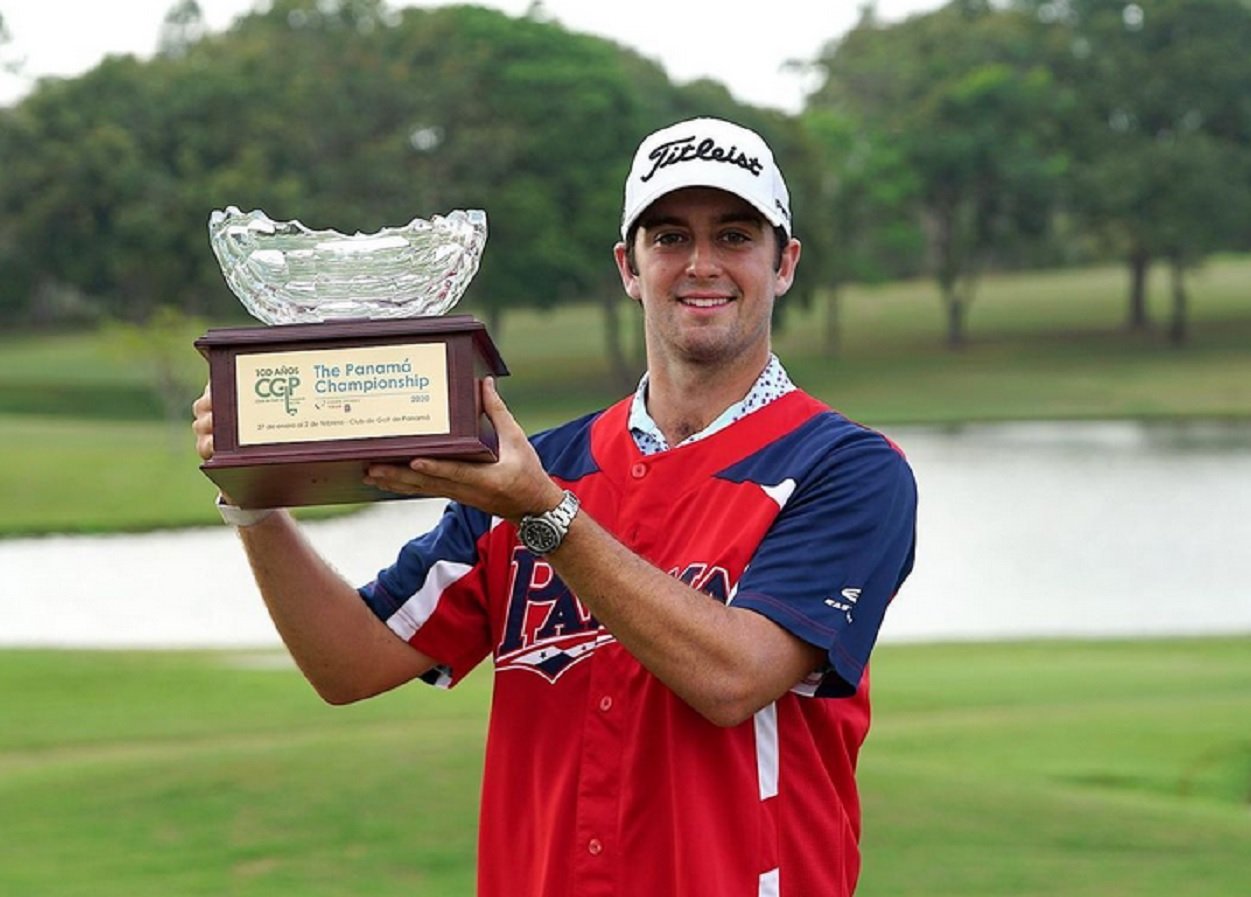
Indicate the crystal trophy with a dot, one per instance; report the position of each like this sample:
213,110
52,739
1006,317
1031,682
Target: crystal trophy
358,362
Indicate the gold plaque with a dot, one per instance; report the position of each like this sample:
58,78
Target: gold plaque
360,393
300,410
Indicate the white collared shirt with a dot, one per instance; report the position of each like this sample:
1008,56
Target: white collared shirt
772,384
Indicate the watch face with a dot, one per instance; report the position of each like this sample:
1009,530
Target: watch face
539,535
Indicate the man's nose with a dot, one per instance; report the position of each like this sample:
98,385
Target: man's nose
703,261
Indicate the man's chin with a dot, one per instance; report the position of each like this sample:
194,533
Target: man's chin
710,352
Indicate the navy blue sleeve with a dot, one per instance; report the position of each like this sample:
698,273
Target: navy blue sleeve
837,553
451,544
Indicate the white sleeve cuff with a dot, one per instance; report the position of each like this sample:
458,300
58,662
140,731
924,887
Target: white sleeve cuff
242,517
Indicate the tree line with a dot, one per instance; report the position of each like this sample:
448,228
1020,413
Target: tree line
1055,131
980,136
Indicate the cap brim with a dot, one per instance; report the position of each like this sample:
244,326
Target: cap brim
644,202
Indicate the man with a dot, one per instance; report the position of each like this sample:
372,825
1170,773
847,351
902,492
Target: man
679,594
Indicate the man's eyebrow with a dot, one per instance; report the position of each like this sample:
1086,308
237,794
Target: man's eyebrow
650,223
744,217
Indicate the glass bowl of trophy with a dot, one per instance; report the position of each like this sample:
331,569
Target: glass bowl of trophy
359,362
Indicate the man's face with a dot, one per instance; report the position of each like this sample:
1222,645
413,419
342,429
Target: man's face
705,276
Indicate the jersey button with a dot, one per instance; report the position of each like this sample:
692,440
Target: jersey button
639,470
595,847
605,703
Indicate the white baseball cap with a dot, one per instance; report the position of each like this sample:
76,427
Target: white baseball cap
707,152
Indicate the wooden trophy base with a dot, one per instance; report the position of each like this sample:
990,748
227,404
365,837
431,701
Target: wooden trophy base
300,410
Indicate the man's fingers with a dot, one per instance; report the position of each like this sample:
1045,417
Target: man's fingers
202,426
491,395
442,470
204,402
204,442
506,488
394,478
501,418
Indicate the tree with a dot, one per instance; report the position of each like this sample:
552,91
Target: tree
977,120
342,114
6,65
863,195
159,347
72,169
1161,140
182,27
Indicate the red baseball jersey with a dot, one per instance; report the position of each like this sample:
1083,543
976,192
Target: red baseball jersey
598,779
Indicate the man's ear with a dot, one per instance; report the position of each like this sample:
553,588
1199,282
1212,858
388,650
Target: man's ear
629,277
785,274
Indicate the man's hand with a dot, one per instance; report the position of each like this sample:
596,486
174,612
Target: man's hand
511,487
202,426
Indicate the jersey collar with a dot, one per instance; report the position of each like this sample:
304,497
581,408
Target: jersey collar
772,384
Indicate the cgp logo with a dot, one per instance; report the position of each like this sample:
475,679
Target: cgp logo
278,385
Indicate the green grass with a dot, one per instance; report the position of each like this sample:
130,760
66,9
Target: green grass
210,774
69,474
1073,768
1040,768
81,437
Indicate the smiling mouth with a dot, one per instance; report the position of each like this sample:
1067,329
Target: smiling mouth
705,302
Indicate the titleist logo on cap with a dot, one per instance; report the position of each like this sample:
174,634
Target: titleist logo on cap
707,150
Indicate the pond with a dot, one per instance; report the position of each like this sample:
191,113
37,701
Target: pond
1025,530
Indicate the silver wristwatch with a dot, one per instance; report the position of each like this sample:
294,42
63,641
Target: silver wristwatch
543,533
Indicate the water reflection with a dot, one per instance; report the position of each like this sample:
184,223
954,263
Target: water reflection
1082,529
1173,438
1075,529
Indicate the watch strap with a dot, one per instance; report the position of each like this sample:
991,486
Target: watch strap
553,524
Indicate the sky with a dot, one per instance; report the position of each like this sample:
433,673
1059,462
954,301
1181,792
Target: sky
746,51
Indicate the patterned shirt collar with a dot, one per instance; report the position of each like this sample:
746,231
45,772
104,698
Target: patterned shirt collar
772,384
